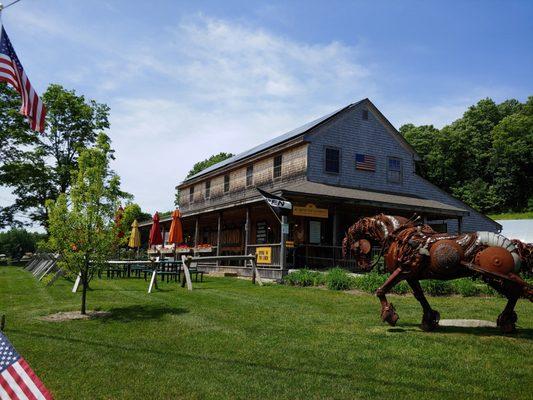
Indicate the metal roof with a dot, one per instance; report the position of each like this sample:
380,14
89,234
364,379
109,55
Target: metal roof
272,142
308,188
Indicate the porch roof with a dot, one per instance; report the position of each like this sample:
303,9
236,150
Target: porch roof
358,196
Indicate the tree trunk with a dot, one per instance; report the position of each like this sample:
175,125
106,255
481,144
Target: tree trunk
84,294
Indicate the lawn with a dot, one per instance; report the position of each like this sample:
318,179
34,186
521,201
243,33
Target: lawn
230,339
523,215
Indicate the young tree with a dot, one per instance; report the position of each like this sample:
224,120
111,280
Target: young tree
38,167
81,225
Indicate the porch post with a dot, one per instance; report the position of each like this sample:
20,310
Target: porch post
335,226
247,231
218,236
196,232
284,231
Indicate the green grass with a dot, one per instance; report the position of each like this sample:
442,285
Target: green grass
230,339
523,215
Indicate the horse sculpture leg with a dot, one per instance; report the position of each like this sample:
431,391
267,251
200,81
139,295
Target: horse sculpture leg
430,319
507,319
388,313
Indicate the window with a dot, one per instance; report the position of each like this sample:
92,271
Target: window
249,175
277,166
226,183
394,170
207,189
364,115
191,194
332,163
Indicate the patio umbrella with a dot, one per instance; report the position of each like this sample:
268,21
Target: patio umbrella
135,236
155,232
175,234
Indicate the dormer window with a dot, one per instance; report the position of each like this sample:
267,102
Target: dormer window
249,175
277,166
226,183
207,189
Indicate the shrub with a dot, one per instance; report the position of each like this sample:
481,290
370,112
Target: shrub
373,280
437,288
338,279
369,282
304,277
466,287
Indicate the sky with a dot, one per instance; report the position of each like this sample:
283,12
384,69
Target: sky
185,80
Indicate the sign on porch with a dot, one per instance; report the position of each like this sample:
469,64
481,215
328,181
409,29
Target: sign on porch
310,210
264,255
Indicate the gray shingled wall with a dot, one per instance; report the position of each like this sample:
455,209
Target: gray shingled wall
353,135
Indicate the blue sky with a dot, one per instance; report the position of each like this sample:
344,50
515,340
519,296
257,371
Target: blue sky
185,80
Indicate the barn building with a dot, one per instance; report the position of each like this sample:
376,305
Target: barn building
342,166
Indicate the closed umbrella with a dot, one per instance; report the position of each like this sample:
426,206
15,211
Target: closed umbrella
155,232
175,234
135,237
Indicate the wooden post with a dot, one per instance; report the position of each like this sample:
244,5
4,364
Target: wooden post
218,236
76,284
460,225
284,232
247,231
187,275
255,272
335,226
196,233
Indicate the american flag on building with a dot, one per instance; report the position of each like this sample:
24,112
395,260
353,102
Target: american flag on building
11,71
17,380
365,162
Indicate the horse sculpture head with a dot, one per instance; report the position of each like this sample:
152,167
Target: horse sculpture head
369,232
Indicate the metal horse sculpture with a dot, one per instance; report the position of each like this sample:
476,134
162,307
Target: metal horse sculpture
414,251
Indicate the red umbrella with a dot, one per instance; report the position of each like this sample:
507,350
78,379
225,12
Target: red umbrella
175,234
155,232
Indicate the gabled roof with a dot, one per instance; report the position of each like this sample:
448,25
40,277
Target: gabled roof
294,134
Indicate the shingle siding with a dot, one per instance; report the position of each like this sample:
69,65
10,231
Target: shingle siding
351,134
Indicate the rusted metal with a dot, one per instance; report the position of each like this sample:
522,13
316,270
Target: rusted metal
446,255
495,259
415,251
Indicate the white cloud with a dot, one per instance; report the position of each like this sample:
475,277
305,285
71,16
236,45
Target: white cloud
227,87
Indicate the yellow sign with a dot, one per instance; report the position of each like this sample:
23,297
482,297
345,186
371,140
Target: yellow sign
289,244
264,255
310,210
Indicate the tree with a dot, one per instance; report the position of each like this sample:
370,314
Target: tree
132,211
201,165
36,166
16,242
81,225
485,158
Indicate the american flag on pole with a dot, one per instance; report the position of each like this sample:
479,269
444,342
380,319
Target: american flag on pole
365,162
17,380
11,71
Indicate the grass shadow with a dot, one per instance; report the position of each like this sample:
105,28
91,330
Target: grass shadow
521,333
141,313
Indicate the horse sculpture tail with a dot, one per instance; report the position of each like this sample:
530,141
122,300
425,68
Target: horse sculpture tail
525,252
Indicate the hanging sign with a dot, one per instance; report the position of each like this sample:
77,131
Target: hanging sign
264,255
310,210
